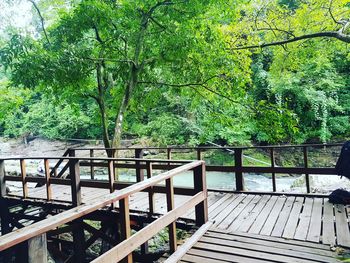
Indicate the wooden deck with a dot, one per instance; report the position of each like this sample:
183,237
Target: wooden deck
224,246
299,218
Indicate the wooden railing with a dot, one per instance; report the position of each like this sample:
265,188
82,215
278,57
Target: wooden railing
198,201
238,167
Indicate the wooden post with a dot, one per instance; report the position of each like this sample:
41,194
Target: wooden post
78,231
74,173
307,177
199,154
150,193
272,156
47,178
4,211
37,249
139,172
125,231
170,205
200,184
23,178
111,175
92,168
169,156
71,153
238,166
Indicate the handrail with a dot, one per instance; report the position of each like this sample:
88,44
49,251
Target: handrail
239,168
210,147
198,201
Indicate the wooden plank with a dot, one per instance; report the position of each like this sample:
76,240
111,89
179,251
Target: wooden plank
214,209
293,218
227,200
305,218
342,226
314,233
328,232
274,239
283,217
246,224
121,250
250,253
195,259
271,220
272,250
184,248
231,206
243,216
222,257
260,220
235,212
279,243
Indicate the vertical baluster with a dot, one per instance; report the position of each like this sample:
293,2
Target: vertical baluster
169,156
200,185
139,172
199,154
4,211
78,231
170,205
23,177
111,175
125,230
238,166
92,168
47,179
306,165
272,156
150,193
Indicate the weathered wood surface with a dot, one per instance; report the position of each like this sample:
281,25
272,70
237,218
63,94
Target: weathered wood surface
301,218
218,245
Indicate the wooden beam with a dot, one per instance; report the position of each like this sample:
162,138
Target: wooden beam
200,185
23,177
37,249
139,170
238,171
151,189
74,173
92,168
170,206
125,230
184,248
123,249
47,178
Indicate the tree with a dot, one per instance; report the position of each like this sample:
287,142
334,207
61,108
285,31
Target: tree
279,22
113,52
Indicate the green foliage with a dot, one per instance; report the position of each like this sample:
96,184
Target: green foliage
178,72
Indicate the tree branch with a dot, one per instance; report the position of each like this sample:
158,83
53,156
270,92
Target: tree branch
192,85
41,20
331,34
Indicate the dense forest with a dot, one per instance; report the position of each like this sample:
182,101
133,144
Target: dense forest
177,71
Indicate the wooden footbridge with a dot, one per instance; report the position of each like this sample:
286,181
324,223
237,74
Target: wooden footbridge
70,219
